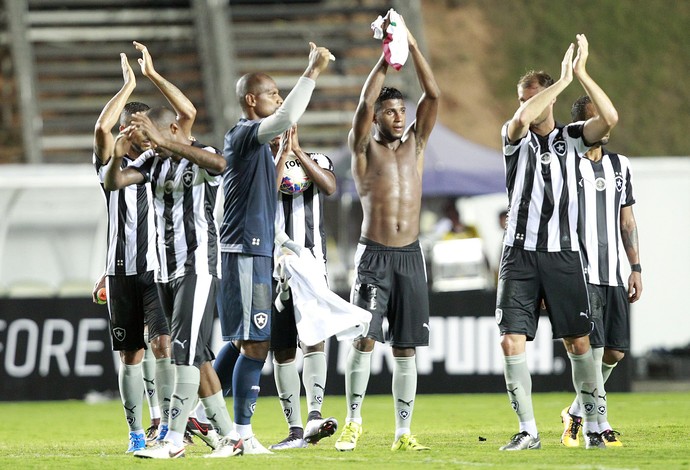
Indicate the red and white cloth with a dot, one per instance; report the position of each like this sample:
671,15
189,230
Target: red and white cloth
395,46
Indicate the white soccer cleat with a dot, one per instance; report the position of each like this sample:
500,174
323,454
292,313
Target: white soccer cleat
161,450
318,429
228,446
253,446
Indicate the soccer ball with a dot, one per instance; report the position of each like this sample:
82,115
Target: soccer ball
295,180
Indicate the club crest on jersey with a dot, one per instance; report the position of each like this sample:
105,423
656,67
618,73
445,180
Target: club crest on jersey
119,333
546,158
261,320
559,147
619,182
188,177
600,184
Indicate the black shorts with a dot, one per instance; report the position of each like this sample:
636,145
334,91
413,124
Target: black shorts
527,277
133,301
189,303
390,282
610,314
283,326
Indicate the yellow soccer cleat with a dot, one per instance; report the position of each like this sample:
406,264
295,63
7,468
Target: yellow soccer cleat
348,438
572,425
408,442
610,439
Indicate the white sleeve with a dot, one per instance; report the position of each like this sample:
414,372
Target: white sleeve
289,112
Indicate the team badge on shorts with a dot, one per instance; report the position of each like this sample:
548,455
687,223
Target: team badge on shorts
261,320
499,315
119,333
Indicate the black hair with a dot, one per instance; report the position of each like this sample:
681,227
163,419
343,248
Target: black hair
580,111
387,93
129,110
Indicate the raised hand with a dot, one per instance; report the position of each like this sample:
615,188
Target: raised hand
142,123
319,57
580,61
123,141
146,62
567,65
127,72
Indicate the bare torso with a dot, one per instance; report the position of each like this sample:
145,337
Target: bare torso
390,190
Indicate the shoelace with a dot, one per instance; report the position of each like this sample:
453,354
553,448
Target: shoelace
349,433
575,426
610,435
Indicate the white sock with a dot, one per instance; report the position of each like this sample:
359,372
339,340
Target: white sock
357,372
314,371
404,393
519,388
289,387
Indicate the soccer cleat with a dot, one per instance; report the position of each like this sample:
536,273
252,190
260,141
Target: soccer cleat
593,440
228,446
318,429
294,440
161,450
137,441
203,431
253,446
610,439
522,441
151,434
572,425
408,442
348,438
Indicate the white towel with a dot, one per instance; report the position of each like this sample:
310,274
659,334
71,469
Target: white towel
395,46
319,312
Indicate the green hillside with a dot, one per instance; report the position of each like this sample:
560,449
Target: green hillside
638,54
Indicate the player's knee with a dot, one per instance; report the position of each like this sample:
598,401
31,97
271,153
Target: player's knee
364,344
613,356
283,356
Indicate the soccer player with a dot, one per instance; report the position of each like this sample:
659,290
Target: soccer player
248,231
541,258
387,167
131,256
606,223
184,176
300,216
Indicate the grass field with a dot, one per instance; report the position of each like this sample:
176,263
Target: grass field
653,426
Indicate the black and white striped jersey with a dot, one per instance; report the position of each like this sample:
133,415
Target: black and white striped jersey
131,229
541,181
184,203
604,188
300,215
